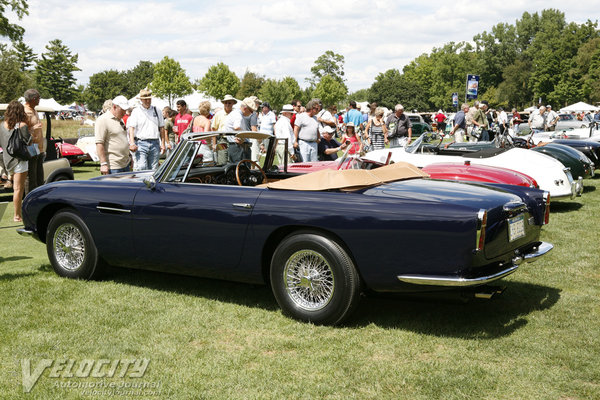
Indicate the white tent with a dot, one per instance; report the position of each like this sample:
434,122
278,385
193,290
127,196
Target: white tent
530,109
579,107
48,104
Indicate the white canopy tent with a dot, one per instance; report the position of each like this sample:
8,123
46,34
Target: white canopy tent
579,107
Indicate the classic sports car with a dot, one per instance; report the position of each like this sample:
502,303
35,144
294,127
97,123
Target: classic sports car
71,152
465,172
577,162
549,173
318,239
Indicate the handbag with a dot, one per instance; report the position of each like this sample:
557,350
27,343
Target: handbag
17,147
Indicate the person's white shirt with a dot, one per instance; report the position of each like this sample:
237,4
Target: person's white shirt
266,122
146,122
283,130
503,118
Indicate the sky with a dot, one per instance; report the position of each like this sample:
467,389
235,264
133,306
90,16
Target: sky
272,38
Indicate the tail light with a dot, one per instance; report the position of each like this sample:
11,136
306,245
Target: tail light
546,198
481,225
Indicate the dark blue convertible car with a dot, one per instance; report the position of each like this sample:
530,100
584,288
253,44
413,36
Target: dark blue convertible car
318,239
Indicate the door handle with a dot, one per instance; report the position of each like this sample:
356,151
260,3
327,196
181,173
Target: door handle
243,205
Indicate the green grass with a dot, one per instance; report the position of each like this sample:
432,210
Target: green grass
213,339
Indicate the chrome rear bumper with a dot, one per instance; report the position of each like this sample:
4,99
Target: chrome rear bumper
457,281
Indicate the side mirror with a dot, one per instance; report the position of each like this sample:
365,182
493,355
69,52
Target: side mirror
150,182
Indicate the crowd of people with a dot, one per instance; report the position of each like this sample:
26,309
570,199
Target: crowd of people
133,138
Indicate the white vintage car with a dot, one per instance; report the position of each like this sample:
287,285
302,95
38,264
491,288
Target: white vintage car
549,173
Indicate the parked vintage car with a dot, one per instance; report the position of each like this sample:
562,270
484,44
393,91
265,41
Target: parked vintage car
315,238
71,152
464,172
568,121
577,162
549,173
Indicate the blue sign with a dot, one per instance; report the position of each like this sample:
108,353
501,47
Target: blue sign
472,86
455,99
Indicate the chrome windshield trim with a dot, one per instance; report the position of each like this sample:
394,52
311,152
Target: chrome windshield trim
455,281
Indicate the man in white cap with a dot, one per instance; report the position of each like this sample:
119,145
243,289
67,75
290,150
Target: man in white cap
283,130
112,145
239,149
146,133
218,121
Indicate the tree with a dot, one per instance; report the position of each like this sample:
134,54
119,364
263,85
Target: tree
250,85
329,63
391,88
138,78
13,81
25,54
330,90
170,80
102,86
54,72
360,95
219,81
280,92
13,31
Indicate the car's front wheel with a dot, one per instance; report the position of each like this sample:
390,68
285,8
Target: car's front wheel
314,279
70,247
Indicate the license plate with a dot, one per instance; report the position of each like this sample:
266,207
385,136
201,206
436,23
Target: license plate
516,228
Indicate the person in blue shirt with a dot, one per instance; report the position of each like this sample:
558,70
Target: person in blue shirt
353,115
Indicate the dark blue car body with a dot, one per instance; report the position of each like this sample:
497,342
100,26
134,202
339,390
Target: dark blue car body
402,236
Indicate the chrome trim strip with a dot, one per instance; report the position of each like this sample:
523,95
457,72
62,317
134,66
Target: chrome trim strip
102,208
455,281
243,205
25,232
539,251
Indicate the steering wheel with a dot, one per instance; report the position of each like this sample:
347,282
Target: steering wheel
237,171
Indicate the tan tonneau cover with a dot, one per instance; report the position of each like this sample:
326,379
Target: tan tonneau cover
350,179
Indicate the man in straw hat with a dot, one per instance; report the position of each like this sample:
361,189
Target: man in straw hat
146,133
218,121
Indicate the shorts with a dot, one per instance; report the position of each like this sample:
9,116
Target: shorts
20,167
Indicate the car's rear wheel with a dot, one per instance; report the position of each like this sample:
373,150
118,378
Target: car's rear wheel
314,279
70,247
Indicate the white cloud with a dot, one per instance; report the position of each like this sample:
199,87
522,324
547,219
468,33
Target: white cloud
272,38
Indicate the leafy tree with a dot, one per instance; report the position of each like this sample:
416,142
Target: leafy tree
514,89
360,95
13,81
25,54
170,80
250,85
280,92
330,90
138,78
102,86
391,88
13,31
219,81
329,63
54,72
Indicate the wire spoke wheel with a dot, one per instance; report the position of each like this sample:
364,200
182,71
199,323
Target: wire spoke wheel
69,247
309,280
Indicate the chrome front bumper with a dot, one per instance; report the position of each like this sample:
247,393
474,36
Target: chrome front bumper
457,281
25,232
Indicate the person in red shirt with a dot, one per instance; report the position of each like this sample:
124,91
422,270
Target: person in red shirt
183,119
440,118
297,104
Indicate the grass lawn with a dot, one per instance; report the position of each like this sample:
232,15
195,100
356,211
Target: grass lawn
209,339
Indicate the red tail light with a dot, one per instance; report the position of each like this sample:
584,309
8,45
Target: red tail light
546,198
481,225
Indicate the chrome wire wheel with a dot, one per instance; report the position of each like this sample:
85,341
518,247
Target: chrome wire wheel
69,247
309,280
